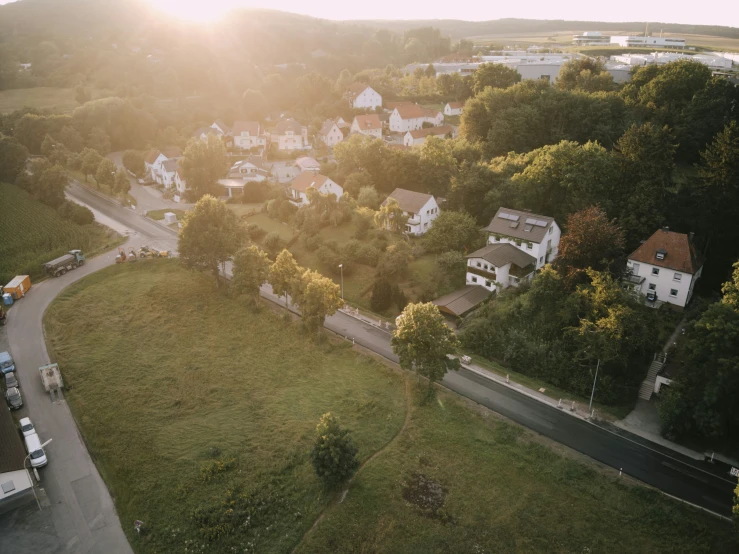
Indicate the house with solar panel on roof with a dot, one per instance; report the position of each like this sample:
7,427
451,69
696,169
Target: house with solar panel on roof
518,244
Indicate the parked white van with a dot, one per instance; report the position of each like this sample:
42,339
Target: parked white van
37,454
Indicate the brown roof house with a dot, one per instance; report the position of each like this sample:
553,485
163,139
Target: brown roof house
418,136
407,118
421,209
297,190
665,268
369,125
537,235
362,96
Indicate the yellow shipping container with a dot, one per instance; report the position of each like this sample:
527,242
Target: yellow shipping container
18,286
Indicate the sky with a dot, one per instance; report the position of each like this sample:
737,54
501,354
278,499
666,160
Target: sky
716,12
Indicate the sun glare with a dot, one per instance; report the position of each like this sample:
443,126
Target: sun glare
196,10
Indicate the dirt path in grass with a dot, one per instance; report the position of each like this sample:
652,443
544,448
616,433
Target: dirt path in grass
339,497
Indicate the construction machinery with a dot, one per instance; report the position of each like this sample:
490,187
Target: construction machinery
149,252
121,256
51,378
70,260
131,255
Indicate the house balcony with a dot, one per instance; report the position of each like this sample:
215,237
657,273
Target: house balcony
415,220
521,272
489,275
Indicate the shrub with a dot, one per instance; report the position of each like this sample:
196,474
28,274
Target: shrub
368,255
382,296
80,215
329,258
254,231
273,243
334,455
312,242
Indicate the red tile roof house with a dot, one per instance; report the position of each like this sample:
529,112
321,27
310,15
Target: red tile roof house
409,118
330,133
297,190
369,125
453,108
665,268
418,136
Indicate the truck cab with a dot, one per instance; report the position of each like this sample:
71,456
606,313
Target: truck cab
78,256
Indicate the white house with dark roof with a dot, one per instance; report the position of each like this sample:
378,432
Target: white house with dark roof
421,209
297,190
180,185
499,266
665,268
536,235
418,136
369,124
407,118
154,160
221,126
167,173
248,134
330,133
249,169
363,96
290,135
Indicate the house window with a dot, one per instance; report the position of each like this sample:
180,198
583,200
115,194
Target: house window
529,246
474,279
550,230
541,260
677,277
652,286
478,264
488,284
673,293
655,271
497,239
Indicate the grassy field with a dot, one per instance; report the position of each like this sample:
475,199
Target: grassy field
33,233
200,415
54,99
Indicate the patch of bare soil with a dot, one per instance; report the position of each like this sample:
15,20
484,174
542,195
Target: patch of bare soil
428,496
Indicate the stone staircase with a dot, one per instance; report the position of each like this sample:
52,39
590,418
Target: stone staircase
647,387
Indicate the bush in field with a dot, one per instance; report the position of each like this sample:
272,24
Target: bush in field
81,215
334,455
382,296
273,243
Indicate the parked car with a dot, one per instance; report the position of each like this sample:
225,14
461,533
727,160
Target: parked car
6,362
35,451
11,380
13,396
27,427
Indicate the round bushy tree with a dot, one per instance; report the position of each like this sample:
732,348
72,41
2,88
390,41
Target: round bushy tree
334,455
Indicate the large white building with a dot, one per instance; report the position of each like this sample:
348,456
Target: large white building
591,38
665,268
536,235
330,133
363,96
640,41
408,118
290,135
421,210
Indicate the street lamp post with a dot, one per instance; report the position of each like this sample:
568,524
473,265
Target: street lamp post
33,488
341,267
590,408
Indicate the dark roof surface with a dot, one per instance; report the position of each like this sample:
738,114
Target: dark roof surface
502,254
408,200
463,300
251,127
12,451
681,254
519,224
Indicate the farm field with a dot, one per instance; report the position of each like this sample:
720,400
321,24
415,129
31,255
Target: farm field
54,99
207,441
33,233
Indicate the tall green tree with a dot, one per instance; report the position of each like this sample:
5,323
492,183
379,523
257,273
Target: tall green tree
90,161
585,74
284,275
250,272
494,75
133,161
334,455
452,231
121,185
105,173
423,342
13,156
391,217
320,297
209,236
202,164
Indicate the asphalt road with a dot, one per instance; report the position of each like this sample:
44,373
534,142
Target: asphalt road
83,512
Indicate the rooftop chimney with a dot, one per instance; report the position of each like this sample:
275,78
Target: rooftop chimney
666,229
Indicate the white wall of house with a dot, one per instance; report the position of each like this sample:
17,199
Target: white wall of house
369,98
501,274
334,136
400,125
291,141
544,252
155,169
421,222
328,187
180,184
448,110
675,287
245,141
167,178
408,140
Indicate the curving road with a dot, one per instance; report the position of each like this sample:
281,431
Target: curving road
82,509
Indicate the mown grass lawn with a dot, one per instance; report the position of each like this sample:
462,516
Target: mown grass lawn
32,233
54,99
168,377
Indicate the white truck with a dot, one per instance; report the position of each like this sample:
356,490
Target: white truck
51,378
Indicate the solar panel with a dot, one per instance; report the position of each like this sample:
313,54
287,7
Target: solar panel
509,217
530,221
540,223
528,227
